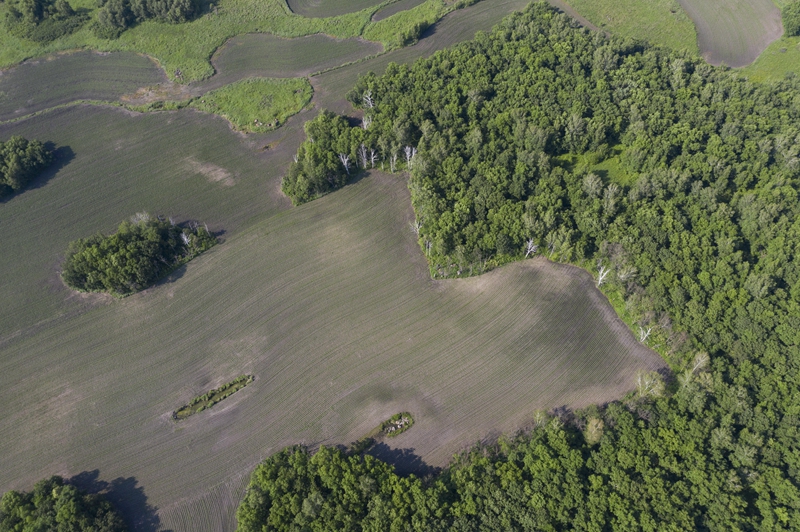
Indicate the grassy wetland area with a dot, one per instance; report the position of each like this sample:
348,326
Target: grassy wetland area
325,319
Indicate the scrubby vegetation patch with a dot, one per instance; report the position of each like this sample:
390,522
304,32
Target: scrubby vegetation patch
212,397
397,424
143,250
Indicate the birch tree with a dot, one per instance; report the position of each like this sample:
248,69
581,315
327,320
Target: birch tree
530,247
345,162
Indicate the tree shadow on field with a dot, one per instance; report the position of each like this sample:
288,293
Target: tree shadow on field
404,461
62,156
127,497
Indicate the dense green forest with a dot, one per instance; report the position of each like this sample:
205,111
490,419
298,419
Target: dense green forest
54,506
142,251
115,16
20,161
790,14
676,184
42,20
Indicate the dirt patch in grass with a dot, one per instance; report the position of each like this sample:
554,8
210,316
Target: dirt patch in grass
734,32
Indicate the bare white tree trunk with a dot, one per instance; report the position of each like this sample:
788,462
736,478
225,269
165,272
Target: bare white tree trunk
602,273
530,247
185,238
345,162
644,334
373,156
393,162
365,123
416,225
362,154
627,273
368,101
294,157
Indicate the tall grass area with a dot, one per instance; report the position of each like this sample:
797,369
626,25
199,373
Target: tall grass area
258,104
661,22
405,27
779,59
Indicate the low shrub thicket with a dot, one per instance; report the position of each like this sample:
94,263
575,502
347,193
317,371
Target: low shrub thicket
142,251
43,21
790,14
212,397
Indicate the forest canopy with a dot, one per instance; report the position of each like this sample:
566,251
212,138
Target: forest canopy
42,20
142,251
20,161
673,181
55,506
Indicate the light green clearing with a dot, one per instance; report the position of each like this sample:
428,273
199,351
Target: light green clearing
396,7
661,22
780,58
189,46
734,32
392,30
58,79
330,307
257,105
330,8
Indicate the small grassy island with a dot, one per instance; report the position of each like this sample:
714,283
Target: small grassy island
212,397
142,251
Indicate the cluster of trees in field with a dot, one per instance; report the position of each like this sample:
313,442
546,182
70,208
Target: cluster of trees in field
115,16
142,251
20,161
56,506
43,20
677,184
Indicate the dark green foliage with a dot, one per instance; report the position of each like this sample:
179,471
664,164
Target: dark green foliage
43,20
319,168
212,397
56,506
790,14
699,226
138,254
20,161
332,491
115,16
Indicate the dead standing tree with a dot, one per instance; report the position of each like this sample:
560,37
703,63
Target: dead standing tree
345,162
362,154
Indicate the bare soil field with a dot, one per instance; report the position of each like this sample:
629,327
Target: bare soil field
396,7
61,78
263,55
329,8
734,32
330,307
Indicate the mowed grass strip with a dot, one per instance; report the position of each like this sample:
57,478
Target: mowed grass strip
330,307
734,32
330,8
259,104
62,78
661,22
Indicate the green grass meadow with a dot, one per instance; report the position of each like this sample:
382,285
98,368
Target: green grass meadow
661,22
257,104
